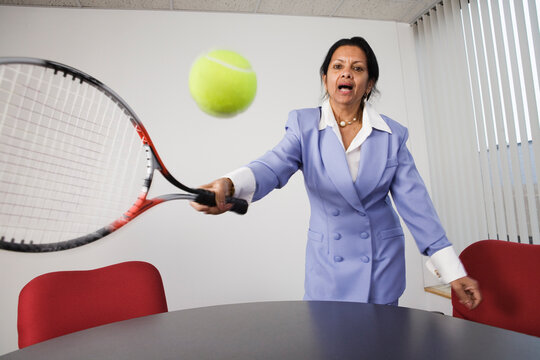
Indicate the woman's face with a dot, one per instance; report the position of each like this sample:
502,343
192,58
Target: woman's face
347,79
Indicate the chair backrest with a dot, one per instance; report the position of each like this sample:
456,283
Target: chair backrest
508,275
63,302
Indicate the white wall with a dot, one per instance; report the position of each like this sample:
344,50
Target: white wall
145,56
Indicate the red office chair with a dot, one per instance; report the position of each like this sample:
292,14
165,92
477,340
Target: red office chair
63,302
508,276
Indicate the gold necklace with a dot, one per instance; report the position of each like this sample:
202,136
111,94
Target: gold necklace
344,123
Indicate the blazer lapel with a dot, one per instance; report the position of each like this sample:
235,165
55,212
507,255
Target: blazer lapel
333,157
373,155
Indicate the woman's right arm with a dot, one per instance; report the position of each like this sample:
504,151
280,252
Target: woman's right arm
258,178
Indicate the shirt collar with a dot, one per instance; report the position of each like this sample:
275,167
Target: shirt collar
370,118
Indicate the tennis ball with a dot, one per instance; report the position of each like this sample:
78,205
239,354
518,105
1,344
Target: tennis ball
222,83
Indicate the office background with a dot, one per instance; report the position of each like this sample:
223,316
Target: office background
145,56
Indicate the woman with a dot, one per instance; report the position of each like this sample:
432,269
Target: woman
352,159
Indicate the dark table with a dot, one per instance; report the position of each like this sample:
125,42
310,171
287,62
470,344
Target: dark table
290,330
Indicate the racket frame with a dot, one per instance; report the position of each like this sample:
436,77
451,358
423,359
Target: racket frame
154,162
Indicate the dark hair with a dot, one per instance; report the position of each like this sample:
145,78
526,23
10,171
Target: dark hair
360,42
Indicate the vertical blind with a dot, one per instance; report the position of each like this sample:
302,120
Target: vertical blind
479,62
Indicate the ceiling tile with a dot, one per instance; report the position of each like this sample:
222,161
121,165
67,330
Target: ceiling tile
216,5
299,7
70,3
393,10
396,10
126,4
418,9
364,9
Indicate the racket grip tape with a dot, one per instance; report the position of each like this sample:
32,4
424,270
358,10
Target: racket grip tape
205,197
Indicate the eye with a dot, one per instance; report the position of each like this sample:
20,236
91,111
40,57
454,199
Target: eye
337,66
358,68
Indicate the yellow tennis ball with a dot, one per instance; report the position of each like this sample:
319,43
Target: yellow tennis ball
222,83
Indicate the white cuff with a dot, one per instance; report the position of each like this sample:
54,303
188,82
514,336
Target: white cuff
244,183
445,264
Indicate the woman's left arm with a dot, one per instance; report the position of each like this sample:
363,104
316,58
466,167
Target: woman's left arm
414,204
417,211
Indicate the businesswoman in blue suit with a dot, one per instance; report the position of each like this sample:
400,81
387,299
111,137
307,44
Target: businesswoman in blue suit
352,158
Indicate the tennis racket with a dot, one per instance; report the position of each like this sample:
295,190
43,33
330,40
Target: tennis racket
73,157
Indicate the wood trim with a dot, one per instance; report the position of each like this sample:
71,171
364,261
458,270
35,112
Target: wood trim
441,290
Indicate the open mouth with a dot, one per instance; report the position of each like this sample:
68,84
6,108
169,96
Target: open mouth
344,87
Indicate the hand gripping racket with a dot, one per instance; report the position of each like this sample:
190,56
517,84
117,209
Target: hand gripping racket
72,158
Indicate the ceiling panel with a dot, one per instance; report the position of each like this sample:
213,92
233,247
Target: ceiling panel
126,4
299,7
216,5
402,11
68,3
393,10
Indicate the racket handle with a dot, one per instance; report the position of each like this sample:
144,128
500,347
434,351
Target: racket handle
205,197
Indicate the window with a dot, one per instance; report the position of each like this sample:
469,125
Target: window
479,62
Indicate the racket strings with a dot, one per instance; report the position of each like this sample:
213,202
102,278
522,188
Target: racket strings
67,151
54,157
42,112
39,187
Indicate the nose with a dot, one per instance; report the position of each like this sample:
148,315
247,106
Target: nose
346,74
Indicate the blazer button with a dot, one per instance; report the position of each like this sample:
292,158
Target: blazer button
362,213
338,258
364,259
364,235
335,212
337,236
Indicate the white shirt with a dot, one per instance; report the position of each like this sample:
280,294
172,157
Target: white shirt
370,119
444,263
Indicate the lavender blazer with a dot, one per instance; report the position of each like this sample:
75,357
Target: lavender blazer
355,247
